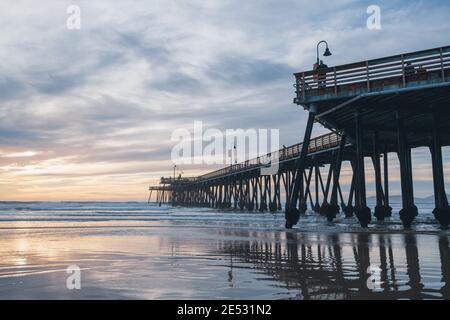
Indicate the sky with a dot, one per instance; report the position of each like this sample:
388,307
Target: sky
88,114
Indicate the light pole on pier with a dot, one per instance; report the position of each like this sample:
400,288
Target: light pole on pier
327,52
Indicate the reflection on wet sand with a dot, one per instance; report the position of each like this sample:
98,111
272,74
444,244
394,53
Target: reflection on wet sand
444,250
337,266
147,252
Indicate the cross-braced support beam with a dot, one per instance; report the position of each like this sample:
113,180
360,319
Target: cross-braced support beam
442,209
409,210
349,209
292,214
381,210
333,208
362,211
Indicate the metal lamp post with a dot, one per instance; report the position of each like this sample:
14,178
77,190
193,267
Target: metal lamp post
327,52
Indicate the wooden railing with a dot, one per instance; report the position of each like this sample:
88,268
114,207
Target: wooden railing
171,180
316,144
323,142
156,188
374,75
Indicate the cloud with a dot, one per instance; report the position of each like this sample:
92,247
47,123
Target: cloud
19,154
98,105
10,89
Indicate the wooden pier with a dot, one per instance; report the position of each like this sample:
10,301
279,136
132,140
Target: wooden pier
372,108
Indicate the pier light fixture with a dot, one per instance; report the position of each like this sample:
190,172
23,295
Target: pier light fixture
327,52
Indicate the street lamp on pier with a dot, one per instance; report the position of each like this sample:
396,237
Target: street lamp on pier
327,52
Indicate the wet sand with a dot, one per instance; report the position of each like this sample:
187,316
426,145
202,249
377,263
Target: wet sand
136,251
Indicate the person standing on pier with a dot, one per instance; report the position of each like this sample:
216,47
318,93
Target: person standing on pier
320,77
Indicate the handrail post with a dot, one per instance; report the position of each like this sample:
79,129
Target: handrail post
403,71
442,65
335,81
368,77
303,87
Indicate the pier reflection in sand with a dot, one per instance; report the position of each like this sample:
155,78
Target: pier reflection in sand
336,266
149,252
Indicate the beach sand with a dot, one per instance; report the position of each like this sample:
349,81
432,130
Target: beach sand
141,251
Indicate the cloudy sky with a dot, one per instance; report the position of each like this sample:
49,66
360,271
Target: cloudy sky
88,114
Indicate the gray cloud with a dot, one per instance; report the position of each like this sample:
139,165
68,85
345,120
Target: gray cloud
11,88
114,91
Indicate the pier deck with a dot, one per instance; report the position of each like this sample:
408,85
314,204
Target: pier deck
416,85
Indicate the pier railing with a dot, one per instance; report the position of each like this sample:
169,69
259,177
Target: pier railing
323,142
375,75
177,180
317,144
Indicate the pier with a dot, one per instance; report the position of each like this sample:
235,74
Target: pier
373,108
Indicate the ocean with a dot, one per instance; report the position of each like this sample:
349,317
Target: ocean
135,250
